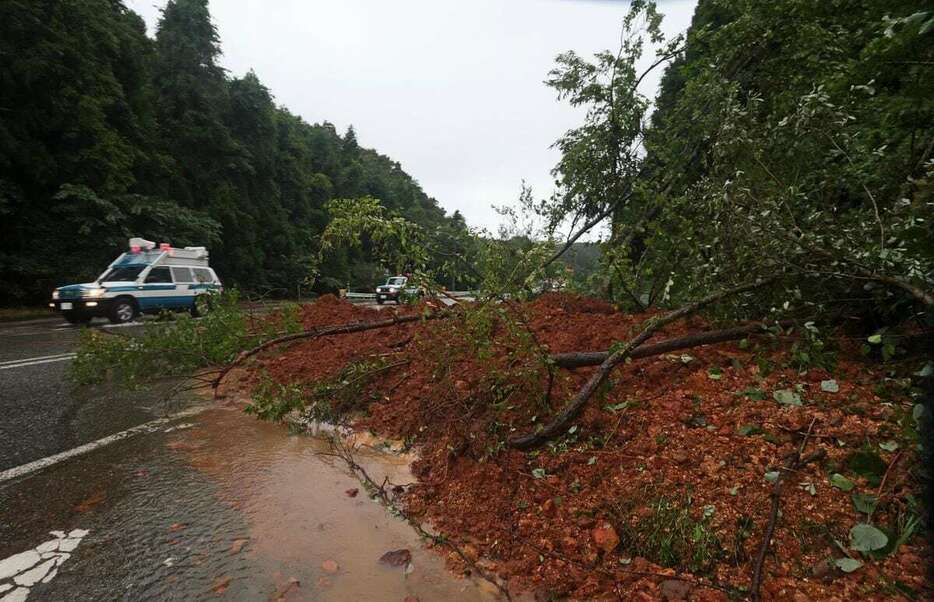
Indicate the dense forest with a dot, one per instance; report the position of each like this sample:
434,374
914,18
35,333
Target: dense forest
791,141
106,133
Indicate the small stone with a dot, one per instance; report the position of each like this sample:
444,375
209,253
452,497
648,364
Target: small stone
237,545
18,563
50,576
34,576
399,557
78,533
548,508
352,492
675,589
58,534
330,566
220,584
605,537
471,552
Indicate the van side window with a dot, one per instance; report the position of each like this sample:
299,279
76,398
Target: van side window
181,274
159,276
203,275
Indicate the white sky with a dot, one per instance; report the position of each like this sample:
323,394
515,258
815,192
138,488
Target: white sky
451,89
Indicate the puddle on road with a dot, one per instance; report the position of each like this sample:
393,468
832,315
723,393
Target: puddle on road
300,522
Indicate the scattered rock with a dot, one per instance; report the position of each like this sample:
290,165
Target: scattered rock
471,552
605,537
283,591
330,566
237,545
397,557
324,582
352,492
91,501
675,589
220,584
176,527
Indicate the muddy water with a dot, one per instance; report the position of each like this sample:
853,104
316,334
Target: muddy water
300,521
221,506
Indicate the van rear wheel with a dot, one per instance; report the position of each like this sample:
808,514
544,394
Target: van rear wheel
122,311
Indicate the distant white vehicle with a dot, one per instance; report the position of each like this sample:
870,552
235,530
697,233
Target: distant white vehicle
395,289
146,279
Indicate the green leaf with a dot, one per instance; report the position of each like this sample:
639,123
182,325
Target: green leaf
754,394
875,339
841,482
572,430
748,429
866,538
714,373
889,446
771,476
617,406
734,489
927,370
864,502
829,386
847,565
592,461
538,473
787,397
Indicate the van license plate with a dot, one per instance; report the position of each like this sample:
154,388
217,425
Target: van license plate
66,305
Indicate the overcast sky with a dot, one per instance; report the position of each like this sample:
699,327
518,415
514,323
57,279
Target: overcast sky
452,89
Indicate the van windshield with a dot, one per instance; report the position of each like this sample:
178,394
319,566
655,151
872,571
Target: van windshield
395,281
124,273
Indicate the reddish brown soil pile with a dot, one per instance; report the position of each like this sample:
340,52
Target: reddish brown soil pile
662,475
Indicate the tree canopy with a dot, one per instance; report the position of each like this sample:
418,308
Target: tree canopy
106,133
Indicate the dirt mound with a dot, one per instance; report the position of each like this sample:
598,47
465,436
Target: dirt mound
663,474
328,309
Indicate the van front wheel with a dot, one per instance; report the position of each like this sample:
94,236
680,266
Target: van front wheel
122,311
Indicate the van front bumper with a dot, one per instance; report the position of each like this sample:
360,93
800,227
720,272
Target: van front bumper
89,307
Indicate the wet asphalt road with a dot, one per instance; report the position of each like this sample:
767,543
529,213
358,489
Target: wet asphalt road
41,413
212,504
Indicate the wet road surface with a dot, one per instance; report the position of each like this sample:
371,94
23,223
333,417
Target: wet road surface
213,505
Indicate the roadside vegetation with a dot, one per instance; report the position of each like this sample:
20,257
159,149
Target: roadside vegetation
732,404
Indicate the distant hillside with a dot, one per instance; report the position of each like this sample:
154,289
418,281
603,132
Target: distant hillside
106,133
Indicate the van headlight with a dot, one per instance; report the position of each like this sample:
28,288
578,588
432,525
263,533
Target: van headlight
55,294
95,292
392,289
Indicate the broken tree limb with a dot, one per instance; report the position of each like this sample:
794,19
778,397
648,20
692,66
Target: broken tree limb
652,325
324,331
595,358
793,462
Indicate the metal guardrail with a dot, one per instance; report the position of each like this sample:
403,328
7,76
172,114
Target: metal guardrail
371,296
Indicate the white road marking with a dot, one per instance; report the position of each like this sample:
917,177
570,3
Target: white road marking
148,427
40,564
30,359
35,361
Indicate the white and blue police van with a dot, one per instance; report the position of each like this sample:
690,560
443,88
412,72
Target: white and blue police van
146,279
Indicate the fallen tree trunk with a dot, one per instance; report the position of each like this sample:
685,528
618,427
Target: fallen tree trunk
652,325
582,359
324,331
